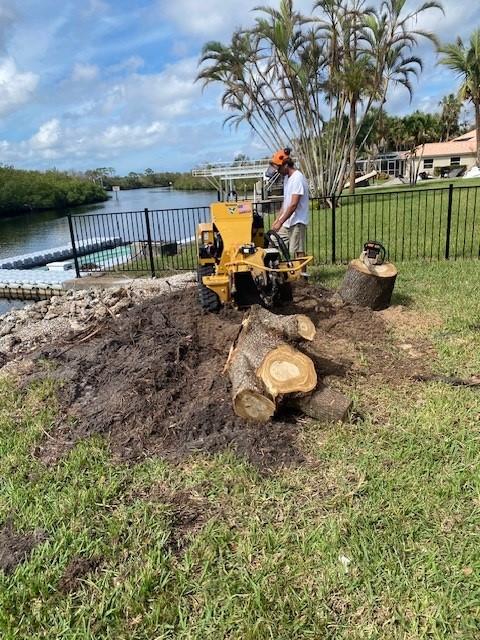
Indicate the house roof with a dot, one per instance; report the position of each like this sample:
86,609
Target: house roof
461,146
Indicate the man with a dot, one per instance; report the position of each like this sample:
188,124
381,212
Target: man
292,219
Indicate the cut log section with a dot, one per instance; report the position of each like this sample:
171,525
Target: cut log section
263,365
369,286
324,404
296,327
249,399
287,370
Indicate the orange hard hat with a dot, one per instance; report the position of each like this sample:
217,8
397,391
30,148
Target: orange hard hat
280,157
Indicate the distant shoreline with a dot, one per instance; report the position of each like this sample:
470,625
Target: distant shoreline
17,213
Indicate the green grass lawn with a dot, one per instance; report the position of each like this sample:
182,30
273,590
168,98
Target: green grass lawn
437,183
410,223
375,536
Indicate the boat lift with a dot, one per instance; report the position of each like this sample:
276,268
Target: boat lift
222,177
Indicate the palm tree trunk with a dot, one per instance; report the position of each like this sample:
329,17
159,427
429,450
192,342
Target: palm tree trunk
353,146
477,125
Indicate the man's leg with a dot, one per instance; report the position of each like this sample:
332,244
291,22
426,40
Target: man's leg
297,242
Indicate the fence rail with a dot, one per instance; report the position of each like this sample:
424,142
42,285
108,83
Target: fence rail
413,224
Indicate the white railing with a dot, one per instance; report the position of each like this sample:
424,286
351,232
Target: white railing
240,169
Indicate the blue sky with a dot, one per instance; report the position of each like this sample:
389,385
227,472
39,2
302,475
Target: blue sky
111,83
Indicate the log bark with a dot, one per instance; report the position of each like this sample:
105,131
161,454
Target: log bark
369,286
324,404
249,398
473,382
296,327
263,365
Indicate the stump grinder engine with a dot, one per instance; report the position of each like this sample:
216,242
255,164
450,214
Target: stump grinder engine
239,263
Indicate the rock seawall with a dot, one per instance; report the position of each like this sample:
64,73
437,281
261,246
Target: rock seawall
64,317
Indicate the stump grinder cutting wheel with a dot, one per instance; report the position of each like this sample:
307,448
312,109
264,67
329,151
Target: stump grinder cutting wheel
238,262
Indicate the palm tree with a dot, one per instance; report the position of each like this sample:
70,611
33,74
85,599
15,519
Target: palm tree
297,81
464,59
341,26
451,107
420,128
375,49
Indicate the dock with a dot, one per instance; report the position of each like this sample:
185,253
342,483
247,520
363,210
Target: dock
23,278
23,284
41,258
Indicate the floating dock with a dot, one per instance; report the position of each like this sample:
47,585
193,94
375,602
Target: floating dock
57,254
22,277
25,284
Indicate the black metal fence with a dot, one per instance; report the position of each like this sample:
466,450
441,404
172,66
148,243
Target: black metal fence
413,224
150,241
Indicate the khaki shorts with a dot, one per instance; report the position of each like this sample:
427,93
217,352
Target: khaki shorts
294,238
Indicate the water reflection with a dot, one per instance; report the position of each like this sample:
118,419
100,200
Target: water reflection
8,305
47,229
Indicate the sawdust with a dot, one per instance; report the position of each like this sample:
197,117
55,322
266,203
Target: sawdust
150,380
406,322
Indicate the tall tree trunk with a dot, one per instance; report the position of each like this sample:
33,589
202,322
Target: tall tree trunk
477,125
353,150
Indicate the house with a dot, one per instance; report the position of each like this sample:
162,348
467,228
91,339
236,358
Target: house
392,164
440,158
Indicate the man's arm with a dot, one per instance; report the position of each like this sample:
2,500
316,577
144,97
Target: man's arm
283,216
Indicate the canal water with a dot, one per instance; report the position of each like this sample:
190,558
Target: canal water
35,231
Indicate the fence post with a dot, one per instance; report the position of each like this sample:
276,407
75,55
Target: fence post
149,240
449,221
334,229
74,246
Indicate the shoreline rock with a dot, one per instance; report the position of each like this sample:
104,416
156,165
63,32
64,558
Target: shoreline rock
62,317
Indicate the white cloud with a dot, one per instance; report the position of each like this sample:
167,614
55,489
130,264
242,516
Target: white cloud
133,136
16,88
217,18
39,45
56,141
167,95
459,19
47,136
83,72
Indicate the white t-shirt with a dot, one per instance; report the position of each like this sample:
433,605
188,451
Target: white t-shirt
296,185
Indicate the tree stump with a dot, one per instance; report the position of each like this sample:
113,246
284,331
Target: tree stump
369,286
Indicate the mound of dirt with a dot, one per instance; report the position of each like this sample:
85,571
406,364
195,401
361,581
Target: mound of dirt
150,379
77,570
15,547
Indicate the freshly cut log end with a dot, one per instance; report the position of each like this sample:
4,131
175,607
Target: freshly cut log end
306,328
286,370
325,405
369,286
253,406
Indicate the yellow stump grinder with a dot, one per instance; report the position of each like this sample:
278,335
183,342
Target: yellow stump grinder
238,262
